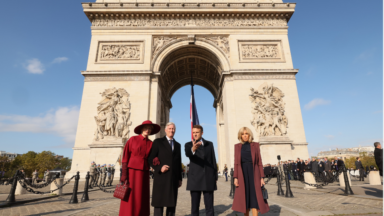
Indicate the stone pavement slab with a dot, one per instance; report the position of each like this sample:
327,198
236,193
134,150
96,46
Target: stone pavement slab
304,202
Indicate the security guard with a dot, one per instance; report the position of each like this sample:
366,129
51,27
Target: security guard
109,175
34,177
92,174
103,174
97,175
113,173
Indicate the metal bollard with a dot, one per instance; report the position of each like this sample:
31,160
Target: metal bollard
280,191
232,192
11,196
348,189
288,192
85,197
75,187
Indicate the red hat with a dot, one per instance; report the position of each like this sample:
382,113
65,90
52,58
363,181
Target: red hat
155,130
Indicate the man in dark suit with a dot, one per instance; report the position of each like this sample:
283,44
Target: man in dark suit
314,167
328,168
360,167
294,170
378,153
300,169
320,166
202,171
165,159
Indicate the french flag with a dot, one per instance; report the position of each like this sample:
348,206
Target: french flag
192,110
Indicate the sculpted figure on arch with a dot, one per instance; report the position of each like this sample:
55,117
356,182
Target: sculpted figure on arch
113,114
268,109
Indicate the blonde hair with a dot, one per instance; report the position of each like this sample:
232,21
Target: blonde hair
241,131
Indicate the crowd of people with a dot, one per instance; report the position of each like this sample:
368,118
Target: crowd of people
296,168
101,175
322,167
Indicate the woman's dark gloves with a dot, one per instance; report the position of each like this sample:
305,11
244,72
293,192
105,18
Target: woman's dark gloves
124,173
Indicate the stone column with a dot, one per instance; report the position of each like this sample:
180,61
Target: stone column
374,178
19,189
309,178
341,179
59,182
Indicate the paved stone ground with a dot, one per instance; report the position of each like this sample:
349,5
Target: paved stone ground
304,203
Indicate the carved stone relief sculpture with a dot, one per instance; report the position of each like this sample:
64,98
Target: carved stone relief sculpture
120,52
268,110
220,41
261,51
160,41
113,113
195,21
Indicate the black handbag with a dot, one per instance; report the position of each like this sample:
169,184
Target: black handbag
265,192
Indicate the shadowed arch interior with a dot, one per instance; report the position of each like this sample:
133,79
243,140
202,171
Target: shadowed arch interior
178,67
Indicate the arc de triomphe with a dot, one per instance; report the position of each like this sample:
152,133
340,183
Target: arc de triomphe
142,52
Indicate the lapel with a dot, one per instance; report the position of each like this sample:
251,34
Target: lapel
239,153
204,148
166,143
253,152
175,147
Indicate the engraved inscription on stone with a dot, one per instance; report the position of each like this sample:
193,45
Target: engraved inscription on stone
195,21
268,110
120,52
113,113
260,51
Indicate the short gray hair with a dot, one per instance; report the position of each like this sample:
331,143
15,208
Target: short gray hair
170,123
376,144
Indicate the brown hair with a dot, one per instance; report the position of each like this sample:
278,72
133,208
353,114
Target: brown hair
241,131
198,127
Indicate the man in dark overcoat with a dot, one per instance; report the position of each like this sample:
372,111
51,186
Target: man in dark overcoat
314,167
202,176
165,159
378,153
328,168
301,169
320,166
360,167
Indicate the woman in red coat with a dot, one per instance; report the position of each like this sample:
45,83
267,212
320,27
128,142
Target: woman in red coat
248,176
135,171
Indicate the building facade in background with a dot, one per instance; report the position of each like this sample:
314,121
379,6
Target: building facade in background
347,152
11,156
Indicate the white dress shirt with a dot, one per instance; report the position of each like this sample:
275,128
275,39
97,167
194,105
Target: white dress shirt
202,143
169,139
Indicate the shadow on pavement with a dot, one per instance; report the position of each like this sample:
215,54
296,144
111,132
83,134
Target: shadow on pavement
373,192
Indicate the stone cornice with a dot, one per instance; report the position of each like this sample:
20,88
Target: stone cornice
190,8
116,72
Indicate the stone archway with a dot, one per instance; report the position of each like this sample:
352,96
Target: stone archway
180,61
149,50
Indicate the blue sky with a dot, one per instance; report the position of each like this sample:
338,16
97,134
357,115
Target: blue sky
336,45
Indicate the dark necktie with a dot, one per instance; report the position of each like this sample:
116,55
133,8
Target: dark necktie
170,143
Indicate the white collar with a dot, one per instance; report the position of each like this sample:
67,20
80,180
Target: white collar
169,138
202,142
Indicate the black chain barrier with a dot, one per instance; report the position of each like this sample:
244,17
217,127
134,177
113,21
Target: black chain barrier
324,179
6,181
38,186
29,189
